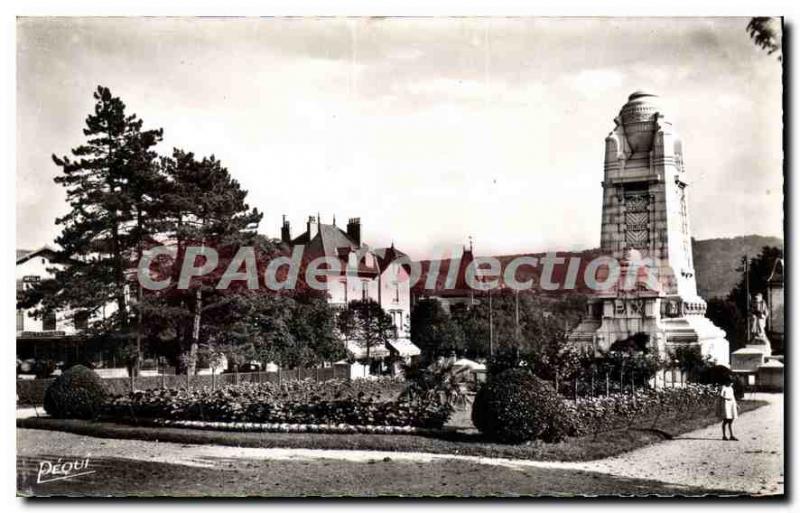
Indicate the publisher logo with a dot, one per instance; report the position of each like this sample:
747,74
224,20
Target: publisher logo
60,469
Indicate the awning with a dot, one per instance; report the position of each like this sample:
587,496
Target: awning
404,347
359,351
469,364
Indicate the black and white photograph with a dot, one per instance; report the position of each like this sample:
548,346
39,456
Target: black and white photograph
400,256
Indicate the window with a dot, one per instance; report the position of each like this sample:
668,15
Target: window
364,290
397,320
396,292
49,321
81,320
20,320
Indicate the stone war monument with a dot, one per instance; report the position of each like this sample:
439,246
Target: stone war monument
645,227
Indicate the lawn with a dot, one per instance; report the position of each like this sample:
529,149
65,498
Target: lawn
449,442
236,478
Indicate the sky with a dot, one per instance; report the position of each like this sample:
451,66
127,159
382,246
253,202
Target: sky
431,130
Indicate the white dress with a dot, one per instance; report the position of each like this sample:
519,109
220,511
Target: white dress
728,409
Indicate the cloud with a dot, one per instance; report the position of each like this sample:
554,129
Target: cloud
595,79
490,127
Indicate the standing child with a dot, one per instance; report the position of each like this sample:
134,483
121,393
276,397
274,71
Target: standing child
728,409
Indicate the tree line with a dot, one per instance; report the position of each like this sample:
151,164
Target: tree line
124,198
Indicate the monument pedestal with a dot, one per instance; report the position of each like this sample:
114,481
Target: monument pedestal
622,318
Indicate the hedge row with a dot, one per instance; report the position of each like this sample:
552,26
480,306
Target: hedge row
515,406
31,391
358,402
642,408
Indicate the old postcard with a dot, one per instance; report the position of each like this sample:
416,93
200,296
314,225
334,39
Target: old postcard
415,257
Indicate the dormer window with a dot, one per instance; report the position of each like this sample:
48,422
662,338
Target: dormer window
369,260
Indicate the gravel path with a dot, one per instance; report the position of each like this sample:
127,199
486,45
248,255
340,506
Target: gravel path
699,459
754,464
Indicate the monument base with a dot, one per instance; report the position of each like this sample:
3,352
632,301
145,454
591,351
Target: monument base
621,318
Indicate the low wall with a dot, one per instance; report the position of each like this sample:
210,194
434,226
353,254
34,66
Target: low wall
31,391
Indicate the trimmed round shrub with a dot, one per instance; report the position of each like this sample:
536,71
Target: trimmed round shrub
78,393
515,406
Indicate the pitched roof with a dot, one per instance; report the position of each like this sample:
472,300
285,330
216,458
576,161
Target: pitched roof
23,255
331,241
460,287
326,241
386,256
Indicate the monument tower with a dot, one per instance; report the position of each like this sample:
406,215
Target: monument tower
645,226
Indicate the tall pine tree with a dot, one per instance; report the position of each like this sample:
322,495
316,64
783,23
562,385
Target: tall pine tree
110,182
203,206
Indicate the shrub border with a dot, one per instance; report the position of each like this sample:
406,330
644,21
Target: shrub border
274,427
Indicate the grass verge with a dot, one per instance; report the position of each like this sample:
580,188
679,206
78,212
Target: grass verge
118,477
585,448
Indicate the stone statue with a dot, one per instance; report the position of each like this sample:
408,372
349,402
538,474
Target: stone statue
758,319
672,309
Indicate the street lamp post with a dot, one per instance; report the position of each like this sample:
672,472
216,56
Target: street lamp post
491,326
745,268
517,334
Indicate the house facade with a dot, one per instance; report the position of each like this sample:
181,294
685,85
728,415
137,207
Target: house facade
55,336
379,274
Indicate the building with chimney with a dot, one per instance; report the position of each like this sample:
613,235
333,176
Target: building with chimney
380,274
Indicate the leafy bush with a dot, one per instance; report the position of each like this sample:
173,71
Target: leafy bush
616,411
78,393
501,361
300,402
516,406
438,383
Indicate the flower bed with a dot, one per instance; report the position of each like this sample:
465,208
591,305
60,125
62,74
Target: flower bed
356,403
615,411
285,427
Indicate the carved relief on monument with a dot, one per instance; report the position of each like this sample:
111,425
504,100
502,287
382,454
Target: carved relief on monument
672,308
637,220
684,213
636,307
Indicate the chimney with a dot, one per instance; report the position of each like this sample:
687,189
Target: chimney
354,230
312,226
286,232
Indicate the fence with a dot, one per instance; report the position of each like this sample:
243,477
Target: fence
593,384
31,391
